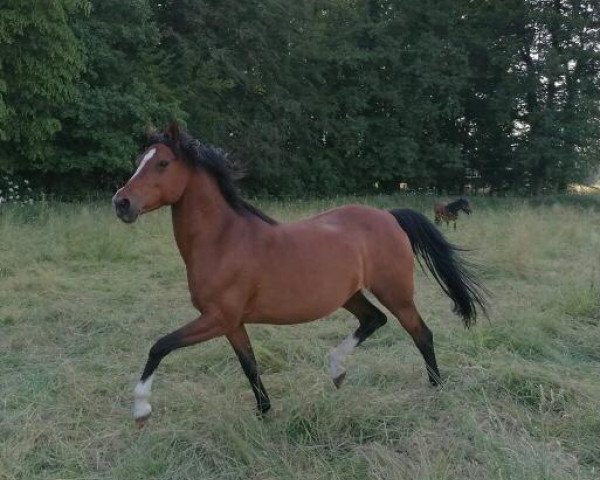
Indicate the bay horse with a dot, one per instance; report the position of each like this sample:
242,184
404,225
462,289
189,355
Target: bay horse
243,267
449,212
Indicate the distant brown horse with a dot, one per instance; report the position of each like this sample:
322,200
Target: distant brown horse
243,267
449,212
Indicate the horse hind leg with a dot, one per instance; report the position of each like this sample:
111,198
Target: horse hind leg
409,317
370,318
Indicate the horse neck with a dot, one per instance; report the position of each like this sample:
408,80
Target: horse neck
202,216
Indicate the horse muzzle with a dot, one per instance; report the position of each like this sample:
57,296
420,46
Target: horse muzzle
125,208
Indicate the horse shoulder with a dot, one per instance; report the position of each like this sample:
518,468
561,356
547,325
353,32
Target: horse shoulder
224,278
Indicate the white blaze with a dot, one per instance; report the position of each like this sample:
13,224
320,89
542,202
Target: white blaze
338,355
149,154
142,391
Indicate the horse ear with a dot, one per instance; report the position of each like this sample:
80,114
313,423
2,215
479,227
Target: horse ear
149,130
173,131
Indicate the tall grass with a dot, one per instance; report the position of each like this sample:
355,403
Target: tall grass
83,296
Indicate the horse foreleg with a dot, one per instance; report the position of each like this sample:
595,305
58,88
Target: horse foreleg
240,342
199,330
370,319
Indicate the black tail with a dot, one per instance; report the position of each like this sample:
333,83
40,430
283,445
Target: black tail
449,270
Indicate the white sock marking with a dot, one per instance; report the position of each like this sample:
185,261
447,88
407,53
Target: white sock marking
141,407
339,354
149,154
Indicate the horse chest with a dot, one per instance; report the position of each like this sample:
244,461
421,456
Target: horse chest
203,291
218,288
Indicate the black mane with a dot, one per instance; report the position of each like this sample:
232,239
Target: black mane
216,162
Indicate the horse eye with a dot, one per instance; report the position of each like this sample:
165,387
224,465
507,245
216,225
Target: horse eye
163,163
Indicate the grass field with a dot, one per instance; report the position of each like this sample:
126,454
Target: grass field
83,297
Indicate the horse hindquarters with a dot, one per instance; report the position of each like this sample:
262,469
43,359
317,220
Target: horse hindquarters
394,288
441,259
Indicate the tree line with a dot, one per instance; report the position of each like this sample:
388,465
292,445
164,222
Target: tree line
316,96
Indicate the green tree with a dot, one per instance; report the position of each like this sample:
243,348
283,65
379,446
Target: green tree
389,76
122,89
561,64
531,120
40,60
316,97
231,70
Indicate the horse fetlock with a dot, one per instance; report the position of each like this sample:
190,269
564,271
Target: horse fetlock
263,408
142,408
336,371
337,381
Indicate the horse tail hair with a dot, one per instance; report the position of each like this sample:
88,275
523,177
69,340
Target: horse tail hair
452,273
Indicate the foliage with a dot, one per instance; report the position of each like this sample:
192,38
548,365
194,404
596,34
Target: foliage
316,97
120,91
40,60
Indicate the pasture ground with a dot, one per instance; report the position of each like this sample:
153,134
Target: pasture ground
83,296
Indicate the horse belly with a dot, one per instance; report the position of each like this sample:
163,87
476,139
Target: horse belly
305,287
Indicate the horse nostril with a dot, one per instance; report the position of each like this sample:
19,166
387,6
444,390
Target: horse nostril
123,204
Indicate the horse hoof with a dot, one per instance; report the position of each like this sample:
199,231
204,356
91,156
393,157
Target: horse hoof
141,421
261,411
337,381
435,382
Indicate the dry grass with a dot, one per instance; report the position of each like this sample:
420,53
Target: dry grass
82,297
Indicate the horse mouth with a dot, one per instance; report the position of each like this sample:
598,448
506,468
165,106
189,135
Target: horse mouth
128,217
